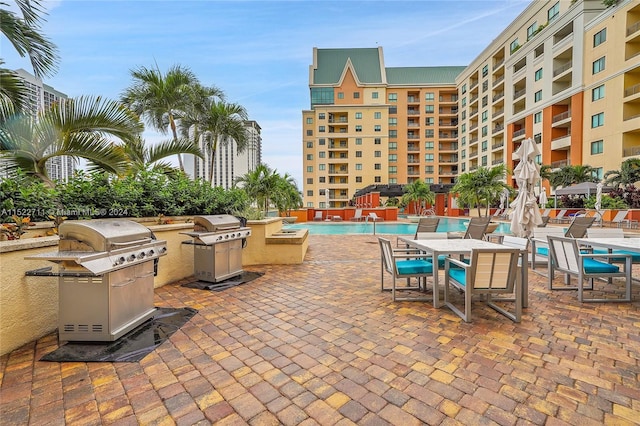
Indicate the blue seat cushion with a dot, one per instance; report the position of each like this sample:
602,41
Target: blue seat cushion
458,274
635,257
592,266
544,251
415,266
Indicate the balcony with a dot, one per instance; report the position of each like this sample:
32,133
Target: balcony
630,91
631,29
561,143
562,68
497,129
497,145
519,93
413,111
498,63
559,164
497,96
519,134
631,152
498,81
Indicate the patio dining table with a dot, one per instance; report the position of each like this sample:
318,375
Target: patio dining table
628,244
459,247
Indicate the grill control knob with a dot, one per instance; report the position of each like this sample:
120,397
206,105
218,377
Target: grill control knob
141,255
119,261
151,253
163,249
131,258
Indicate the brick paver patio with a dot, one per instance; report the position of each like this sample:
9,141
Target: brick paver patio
318,343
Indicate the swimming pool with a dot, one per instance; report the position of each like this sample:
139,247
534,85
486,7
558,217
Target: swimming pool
393,228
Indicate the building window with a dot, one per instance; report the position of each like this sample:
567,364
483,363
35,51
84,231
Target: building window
393,157
428,109
309,156
321,141
321,166
597,93
598,65
340,95
464,114
600,37
597,120
377,115
378,141
377,179
598,173
321,179
358,128
393,109
393,145
464,140
538,74
309,144
377,166
537,97
484,145
463,127
537,117
374,95
553,12
484,160
309,169
358,179
428,169
321,116
485,86
358,115
356,95
310,193
464,102
485,70
537,138
377,128
429,96
429,133
393,97
358,141
429,121
485,116
309,181
464,154
321,129
358,166
428,145
485,131
464,166
428,157
597,147
514,45
393,169
531,31
377,153
309,132
393,133
321,154
393,121
464,88
358,154
485,101
309,120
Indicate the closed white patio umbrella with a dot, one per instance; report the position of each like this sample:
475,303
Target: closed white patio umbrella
525,214
543,198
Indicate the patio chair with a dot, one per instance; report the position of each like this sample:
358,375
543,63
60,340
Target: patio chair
621,217
565,256
404,263
489,272
357,216
579,226
545,221
477,228
318,215
540,246
426,224
545,213
559,217
612,233
374,217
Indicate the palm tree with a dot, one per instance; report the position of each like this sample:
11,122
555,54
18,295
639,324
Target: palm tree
569,175
481,187
418,191
79,128
13,95
160,98
222,122
259,184
141,157
23,32
628,174
287,195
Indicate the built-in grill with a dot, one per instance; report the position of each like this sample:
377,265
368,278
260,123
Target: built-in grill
105,269
218,241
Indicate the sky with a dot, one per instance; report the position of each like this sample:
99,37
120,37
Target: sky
257,52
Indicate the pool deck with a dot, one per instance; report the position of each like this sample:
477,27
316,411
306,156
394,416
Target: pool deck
319,344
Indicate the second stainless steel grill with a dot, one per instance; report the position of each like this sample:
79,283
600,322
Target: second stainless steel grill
106,269
218,241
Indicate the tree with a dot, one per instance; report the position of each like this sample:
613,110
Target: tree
259,184
419,192
160,98
79,128
570,175
287,195
628,174
13,95
141,157
23,32
481,187
222,122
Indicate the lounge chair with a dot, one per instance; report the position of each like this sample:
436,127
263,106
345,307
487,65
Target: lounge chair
318,215
374,217
565,256
358,215
545,213
579,226
477,228
559,217
404,263
489,272
545,221
621,217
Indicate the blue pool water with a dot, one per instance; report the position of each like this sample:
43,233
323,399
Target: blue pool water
393,228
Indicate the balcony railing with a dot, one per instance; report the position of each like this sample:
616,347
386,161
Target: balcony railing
628,152
519,93
562,68
519,133
498,80
632,90
498,112
561,116
497,145
498,63
633,28
497,129
559,164
498,96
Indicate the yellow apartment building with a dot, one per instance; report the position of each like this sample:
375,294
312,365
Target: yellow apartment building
565,73
369,125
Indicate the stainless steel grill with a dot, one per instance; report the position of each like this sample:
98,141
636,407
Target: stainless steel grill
105,269
218,241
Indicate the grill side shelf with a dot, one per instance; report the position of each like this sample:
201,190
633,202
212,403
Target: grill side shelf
48,271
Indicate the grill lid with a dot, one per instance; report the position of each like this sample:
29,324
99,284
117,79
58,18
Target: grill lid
104,234
215,223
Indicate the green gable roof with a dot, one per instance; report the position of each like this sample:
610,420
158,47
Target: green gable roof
331,63
423,75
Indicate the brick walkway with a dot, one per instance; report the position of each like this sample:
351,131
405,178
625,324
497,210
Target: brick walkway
319,343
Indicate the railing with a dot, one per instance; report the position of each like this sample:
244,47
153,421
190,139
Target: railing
473,126
562,68
519,133
498,161
498,96
498,112
559,164
497,129
472,141
497,145
474,84
339,120
498,63
498,80
631,117
632,90
633,28
561,116
628,152
413,112
519,93
561,137
473,98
